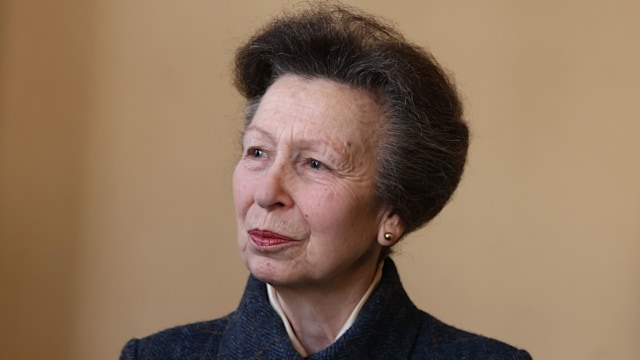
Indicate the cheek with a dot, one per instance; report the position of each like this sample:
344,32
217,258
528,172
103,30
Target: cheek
325,208
318,200
241,202
241,192
345,210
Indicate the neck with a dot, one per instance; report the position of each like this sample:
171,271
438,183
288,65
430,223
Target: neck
317,314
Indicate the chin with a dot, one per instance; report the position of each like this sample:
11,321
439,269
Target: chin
267,270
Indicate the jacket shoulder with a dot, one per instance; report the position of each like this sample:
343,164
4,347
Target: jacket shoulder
439,340
193,341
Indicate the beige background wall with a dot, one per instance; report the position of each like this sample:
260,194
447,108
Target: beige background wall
118,131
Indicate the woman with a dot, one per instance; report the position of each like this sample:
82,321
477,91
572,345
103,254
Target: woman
353,138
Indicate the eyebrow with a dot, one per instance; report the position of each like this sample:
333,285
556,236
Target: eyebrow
341,151
260,130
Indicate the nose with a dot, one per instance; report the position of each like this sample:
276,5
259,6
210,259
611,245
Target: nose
272,191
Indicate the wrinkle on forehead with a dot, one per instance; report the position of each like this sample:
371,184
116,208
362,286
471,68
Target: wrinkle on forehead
328,111
338,96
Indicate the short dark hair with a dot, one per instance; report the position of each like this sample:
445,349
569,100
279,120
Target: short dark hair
423,141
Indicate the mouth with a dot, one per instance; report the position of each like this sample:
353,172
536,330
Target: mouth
268,239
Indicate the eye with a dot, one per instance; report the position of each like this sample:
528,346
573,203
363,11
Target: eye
256,153
315,164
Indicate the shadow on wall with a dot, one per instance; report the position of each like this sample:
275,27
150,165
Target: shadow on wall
44,78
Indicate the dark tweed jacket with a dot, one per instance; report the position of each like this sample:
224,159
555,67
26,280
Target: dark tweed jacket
388,327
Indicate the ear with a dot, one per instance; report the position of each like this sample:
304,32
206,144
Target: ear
391,228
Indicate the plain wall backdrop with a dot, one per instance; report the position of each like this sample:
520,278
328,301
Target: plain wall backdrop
119,130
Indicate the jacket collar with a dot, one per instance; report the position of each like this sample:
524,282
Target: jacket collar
387,324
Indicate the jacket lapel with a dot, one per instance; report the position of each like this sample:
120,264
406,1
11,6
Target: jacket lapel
255,330
386,327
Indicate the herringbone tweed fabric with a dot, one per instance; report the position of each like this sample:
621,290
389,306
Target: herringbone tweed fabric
388,327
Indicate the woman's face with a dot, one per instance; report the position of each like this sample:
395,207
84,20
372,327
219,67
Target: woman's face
303,189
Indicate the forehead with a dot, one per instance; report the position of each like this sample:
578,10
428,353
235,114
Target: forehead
325,105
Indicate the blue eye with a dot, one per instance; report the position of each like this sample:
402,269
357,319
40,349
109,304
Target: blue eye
315,164
256,153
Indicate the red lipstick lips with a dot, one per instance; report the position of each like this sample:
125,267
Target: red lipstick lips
266,238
